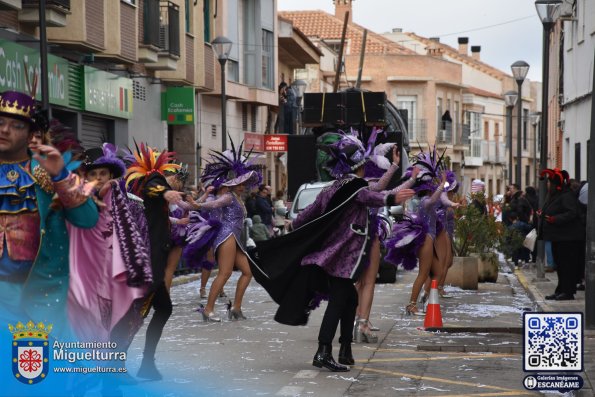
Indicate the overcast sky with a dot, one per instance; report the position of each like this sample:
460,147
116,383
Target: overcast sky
516,36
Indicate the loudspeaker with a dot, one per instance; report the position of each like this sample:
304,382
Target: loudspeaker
327,108
365,108
301,162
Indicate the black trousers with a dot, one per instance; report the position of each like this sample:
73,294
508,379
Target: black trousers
162,305
341,307
567,256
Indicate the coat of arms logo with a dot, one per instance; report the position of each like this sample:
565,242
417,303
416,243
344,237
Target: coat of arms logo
30,351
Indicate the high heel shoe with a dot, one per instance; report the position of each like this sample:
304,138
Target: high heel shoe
362,332
206,317
234,314
203,293
411,309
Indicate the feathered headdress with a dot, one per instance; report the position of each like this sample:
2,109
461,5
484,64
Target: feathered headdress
181,173
231,168
148,161
377,162
346,154
431,168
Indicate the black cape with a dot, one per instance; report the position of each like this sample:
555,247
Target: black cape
276,263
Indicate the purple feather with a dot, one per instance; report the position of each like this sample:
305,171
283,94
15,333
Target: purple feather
407,238
201,234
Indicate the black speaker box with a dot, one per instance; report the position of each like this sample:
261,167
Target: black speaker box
301,162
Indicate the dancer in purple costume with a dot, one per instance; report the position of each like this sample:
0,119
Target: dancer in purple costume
238,172
343,256
377,165
418,231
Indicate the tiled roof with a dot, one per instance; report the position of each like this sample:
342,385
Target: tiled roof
328,27
483,93
454,53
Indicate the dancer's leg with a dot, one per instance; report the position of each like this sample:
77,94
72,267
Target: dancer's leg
425,256
172,263
244,280
365,285
226,253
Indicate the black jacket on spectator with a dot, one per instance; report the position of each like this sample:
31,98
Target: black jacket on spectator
563,207
264,208
520,206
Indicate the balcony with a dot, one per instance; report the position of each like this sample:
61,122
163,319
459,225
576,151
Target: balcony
149,31
55,12
494,152
11,5
167,38
473,152
85,28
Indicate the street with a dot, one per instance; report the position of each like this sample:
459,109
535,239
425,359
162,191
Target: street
260,357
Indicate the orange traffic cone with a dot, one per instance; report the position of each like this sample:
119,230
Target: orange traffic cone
433,316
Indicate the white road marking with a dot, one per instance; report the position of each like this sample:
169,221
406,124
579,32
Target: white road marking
306,374
290,391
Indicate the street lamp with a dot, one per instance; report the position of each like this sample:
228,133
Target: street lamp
519,72
535,122
222,46
300,89
546,9
510,99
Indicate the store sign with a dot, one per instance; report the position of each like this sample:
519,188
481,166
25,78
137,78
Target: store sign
107,93
275,143
254,142
178,105
19,64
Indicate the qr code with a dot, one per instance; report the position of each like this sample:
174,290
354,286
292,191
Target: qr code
553,341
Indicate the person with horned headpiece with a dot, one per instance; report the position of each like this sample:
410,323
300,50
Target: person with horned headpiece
38,194
234,171
146,176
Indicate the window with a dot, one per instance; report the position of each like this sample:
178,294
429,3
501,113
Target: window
497,131
188,15
244,116
577,161
439,113
409,103
267,59
527,175
250,44
486,130
207,20
253,117
213,131
233,70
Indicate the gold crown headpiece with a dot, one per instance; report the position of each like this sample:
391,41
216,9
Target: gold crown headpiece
13,107
30,330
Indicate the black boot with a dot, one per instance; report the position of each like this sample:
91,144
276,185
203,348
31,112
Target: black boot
324,358
148,370
345,355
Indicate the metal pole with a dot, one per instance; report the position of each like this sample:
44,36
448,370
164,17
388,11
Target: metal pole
536,132
362,54
540,262
590,258
509,139
519,135
43,55
340,59
223,107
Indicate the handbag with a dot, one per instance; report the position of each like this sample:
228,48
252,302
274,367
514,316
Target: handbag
530,240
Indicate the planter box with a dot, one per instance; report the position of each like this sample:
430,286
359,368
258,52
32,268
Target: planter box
463,272
487,271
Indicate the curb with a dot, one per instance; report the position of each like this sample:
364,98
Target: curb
532,292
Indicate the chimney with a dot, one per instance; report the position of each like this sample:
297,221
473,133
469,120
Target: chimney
435,39
341,7
475,50
463,44
397,30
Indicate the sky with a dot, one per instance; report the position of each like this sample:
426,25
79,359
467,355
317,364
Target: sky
506,30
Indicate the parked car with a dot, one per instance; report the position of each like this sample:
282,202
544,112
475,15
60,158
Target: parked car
305,196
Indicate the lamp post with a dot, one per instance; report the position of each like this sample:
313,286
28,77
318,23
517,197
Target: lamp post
519,72
222,46
546,10
536,123
510,99
300,88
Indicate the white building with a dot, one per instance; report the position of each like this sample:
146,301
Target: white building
577,79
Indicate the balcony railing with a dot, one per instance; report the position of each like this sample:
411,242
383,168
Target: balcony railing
494,152
473,152
65,4
169,27
151,26
417,131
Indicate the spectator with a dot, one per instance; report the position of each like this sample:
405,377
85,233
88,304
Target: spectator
533,200
251,204
558,223
278,206
478,196
521,254
519,204
264,206
258,231
280,124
